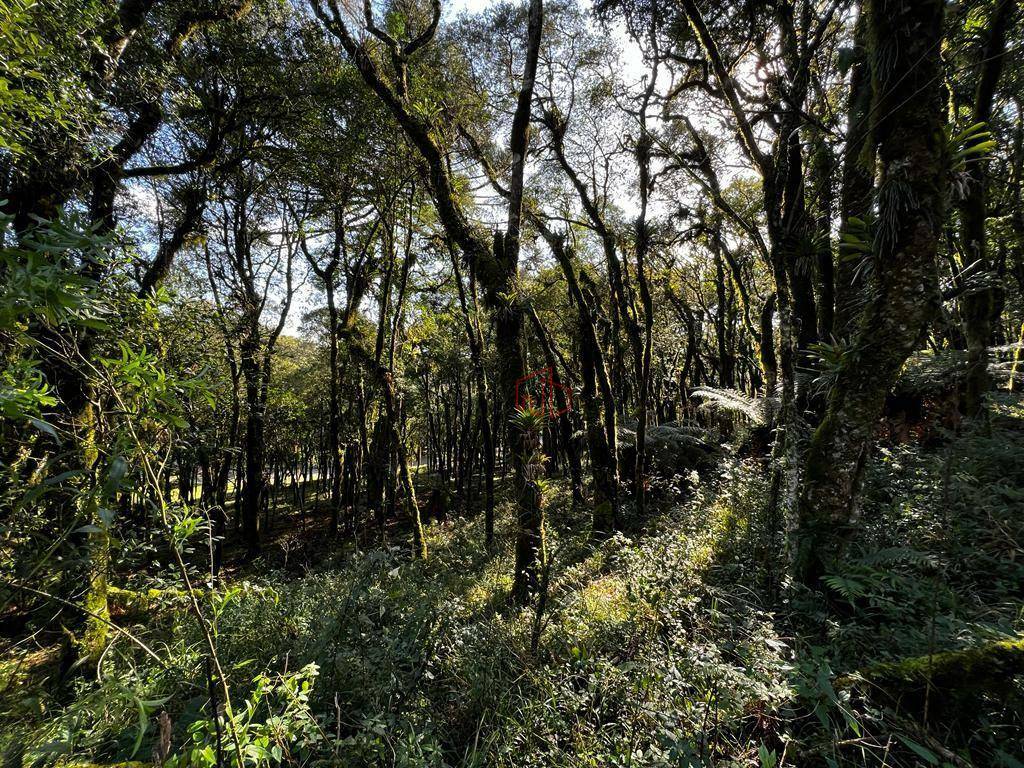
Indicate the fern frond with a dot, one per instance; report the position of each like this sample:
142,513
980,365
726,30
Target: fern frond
757,410
928,371
845,586
894,555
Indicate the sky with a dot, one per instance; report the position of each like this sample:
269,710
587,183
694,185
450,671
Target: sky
455,7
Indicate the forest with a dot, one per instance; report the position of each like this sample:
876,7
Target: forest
554,383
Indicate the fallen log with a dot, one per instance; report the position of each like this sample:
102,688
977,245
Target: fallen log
957,675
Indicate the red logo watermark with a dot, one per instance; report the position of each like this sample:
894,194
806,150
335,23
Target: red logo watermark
537,391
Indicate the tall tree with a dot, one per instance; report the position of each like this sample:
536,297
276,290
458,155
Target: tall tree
980,307
254,264
496,265
907,128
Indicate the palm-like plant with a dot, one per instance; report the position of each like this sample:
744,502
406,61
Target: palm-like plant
529,420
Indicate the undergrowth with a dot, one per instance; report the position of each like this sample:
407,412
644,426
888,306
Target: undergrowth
677,643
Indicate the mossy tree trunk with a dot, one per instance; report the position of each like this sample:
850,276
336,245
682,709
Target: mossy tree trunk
509,327
419,541
905,40
603,460
561,403
97,627
820,200
474,335
597,393
858,181
980,308
624,312
599,414
254,490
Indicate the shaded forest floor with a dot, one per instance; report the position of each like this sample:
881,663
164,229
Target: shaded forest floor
677,642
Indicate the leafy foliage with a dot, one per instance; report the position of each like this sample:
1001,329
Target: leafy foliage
757,410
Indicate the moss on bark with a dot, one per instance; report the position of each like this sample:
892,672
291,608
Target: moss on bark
908,132
947,680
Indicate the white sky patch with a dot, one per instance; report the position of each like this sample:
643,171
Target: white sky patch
455,7
307,298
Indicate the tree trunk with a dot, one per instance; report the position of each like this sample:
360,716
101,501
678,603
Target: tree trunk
334,417
905,47
979,308
419,542
254,490
858,182
603,461
509,329
822,167
94,640
564,426
597,394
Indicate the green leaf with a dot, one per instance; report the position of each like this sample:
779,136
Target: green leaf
766,757
115,475
43,426
143,726
925,754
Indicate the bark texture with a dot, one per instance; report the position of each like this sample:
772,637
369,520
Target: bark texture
909,119
979,308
